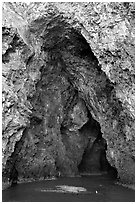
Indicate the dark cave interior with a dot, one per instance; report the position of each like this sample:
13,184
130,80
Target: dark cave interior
62,138
94,158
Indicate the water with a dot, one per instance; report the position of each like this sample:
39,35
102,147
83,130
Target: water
92,189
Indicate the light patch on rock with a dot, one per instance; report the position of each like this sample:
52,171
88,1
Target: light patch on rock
112,153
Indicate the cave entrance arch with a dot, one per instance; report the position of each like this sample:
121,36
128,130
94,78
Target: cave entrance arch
69,68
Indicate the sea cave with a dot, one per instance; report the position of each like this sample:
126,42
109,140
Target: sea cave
68,107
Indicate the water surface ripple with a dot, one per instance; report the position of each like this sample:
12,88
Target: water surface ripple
78,189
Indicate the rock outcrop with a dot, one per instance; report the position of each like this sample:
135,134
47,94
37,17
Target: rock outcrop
68,74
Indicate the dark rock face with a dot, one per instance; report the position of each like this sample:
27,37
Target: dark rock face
62,91
13,178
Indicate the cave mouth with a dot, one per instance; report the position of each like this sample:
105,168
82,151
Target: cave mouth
46,146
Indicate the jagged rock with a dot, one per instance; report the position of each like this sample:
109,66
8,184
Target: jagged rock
55,55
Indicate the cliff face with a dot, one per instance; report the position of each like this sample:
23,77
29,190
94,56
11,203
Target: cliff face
68,72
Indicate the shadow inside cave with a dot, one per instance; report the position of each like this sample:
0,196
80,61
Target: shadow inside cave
94,160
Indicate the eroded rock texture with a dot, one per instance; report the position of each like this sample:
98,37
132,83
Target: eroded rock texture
68,80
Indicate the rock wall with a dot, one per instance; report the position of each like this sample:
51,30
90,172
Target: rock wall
61,60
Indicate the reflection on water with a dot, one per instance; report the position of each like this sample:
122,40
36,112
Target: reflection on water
78,189
65,189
